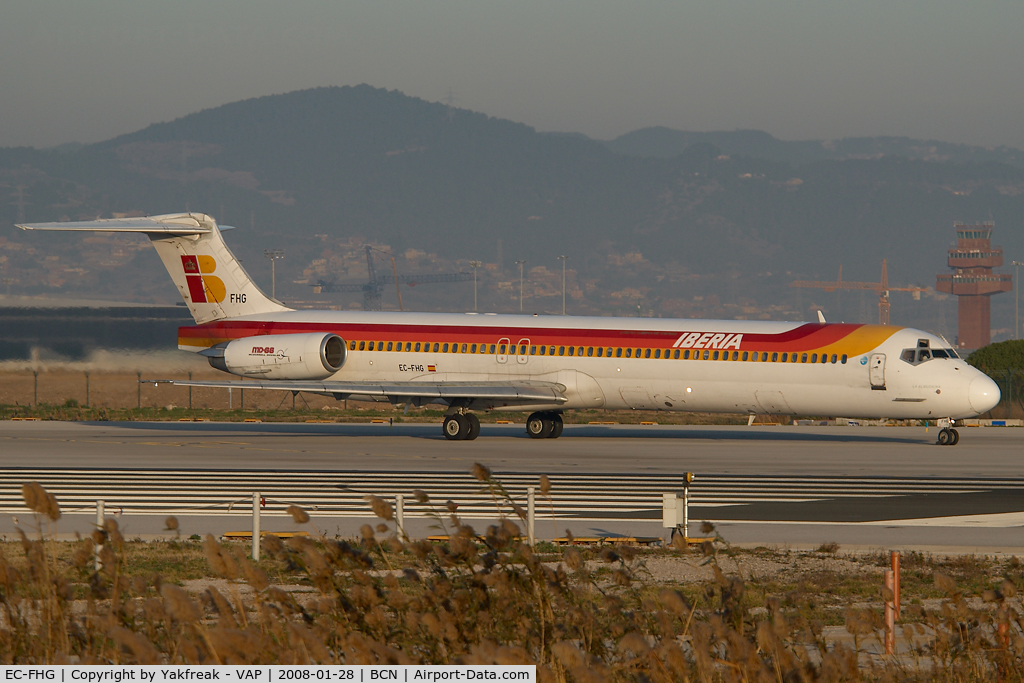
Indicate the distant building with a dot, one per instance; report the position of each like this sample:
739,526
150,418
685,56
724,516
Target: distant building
973,282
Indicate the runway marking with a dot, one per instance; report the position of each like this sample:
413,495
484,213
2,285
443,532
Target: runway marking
342,493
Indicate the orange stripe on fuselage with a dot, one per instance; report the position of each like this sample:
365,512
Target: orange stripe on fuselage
838,338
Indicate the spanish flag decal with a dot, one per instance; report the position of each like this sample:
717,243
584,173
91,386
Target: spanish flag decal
431,368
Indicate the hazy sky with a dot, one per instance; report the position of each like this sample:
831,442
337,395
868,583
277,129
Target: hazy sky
799,69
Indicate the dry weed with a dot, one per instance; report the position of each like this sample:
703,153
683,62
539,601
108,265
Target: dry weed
578,615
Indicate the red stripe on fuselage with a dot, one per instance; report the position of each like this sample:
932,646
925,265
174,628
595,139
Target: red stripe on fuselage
804,337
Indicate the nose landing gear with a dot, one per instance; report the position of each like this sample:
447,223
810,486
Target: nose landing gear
948,436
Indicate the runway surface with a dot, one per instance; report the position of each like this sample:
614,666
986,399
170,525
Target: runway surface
776,484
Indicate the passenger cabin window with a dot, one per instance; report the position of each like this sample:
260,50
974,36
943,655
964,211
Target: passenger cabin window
492,349
608,352
843,359
417,346
561,350
444,349
590,350
551,350
834,358
600,352
501,349
463,348
472,349
707,354
391,345
618,353
352,346
814,358
647,353
745,355
436,346
736,355
686,354
572,350
657,353
675,354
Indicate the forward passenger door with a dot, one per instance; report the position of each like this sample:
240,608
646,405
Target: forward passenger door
876,371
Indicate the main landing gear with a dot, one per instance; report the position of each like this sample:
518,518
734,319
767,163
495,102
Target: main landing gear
948,436
544,426
466,426
461,427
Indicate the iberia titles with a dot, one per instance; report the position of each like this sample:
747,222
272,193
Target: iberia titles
708,340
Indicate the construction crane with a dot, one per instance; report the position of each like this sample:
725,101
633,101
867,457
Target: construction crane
374,286
882,288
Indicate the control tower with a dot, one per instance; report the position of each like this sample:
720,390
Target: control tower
973,282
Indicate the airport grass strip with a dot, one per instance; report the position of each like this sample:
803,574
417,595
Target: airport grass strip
485,597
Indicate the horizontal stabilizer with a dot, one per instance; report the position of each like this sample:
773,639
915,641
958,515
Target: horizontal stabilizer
177,224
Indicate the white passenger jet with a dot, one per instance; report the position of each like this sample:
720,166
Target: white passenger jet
549,364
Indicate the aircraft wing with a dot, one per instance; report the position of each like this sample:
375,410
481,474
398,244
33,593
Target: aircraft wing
480,395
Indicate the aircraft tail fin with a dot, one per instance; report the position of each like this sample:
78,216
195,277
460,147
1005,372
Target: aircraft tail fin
209,277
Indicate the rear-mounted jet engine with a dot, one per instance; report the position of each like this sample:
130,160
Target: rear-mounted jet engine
280,356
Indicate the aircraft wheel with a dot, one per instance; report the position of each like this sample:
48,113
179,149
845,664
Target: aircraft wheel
539,426
556,426
456,427
474,426
945,437
956,437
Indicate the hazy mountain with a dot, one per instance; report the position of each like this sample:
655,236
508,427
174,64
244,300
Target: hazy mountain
665,143
677,223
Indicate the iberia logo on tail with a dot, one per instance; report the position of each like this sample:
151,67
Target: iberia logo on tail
203,288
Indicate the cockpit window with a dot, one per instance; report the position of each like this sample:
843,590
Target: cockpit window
923,354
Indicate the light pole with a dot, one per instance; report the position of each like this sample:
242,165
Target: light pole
273,255
1016,297
563,258
521,283
475,264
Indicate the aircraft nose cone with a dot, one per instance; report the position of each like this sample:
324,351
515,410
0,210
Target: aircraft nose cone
983,394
